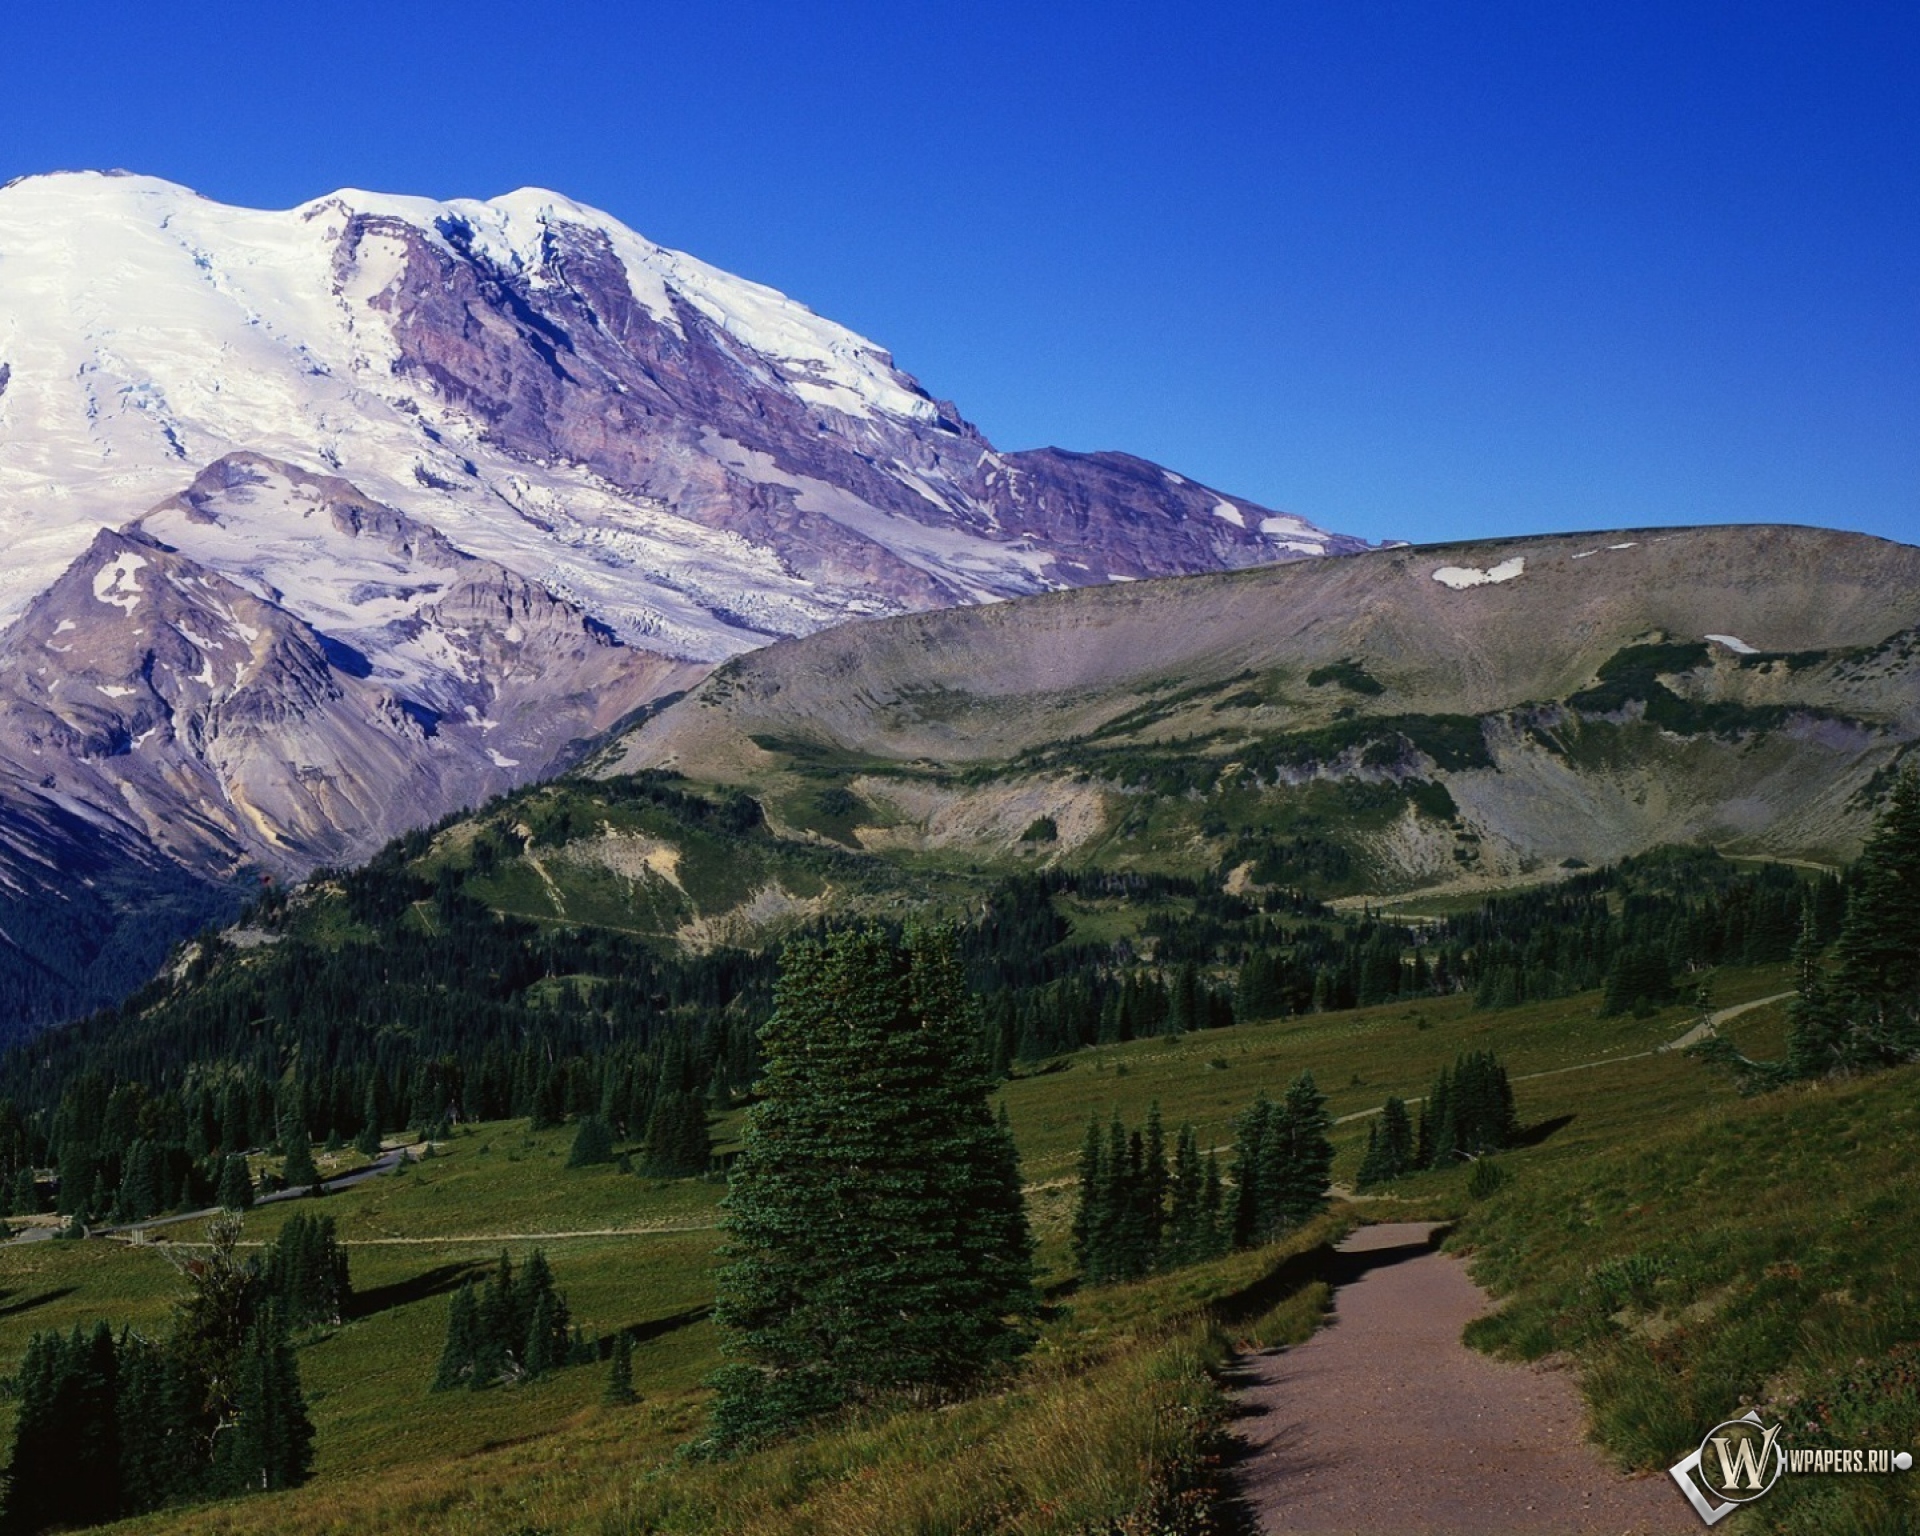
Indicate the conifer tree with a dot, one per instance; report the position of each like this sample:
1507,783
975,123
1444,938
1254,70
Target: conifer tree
1120,1256
463,1340
1152,1193
26,1194
236,1184
1396,1137
499,1338
211,1324
1877,975
1814,1023
548,1322
269,1444
306,1273
1185,1233
1306,1155
1372,1164
877,1240
1282,1159
30,1501
1215,1232
156,1429
620,1391
518,1325
1089,1213
592,1143
678,1143
1253,1205
299,1170
1469,1112
139,1195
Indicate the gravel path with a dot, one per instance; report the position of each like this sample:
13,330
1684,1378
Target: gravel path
1385,1422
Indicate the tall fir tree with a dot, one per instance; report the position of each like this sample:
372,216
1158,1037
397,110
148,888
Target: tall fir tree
620,1391
1282,1159
592,1143
269,1444
1152,1194
678,1143
1215,1232
1815,1029
299,1170
1303,1154
1396,1138
236,1184
1470,1111
1089,1210
1186,1215
1373,1168
876,1237
1877,970
1253,1199
462,1342
305,1273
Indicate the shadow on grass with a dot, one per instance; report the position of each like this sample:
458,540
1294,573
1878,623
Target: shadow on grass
11,1308
1533,1135
657,1328
433,1282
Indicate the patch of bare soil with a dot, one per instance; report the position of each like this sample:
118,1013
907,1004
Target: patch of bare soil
1385,1422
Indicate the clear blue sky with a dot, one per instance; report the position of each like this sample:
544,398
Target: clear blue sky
1410,270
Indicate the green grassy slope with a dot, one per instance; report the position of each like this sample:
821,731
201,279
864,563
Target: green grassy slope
1771,1228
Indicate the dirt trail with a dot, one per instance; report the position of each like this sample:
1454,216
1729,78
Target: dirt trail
1699,1032
1384,1422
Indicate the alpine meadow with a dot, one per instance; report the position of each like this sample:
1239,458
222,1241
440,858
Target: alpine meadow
615,921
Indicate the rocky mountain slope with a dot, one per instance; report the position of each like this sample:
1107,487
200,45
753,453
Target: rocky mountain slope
1410,717
321,523
700,462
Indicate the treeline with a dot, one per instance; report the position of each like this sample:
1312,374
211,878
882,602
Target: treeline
402,1002
1630,929
1135,1214
130,1147
1857,1002
116,1425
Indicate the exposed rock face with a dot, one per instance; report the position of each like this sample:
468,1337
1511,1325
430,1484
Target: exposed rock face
699,462
161,722
226,728
465,483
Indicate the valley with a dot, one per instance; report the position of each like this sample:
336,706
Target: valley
1194,838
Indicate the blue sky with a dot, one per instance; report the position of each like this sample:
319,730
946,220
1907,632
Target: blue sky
1411,270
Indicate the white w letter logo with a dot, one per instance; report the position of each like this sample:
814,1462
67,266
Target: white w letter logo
1742,1461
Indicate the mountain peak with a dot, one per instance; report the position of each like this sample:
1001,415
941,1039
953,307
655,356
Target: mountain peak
482,476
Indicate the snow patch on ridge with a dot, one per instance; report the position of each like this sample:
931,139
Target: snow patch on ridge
1735,644
1460,577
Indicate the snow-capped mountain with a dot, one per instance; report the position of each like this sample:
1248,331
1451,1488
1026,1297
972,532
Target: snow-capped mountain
319,523
696,460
